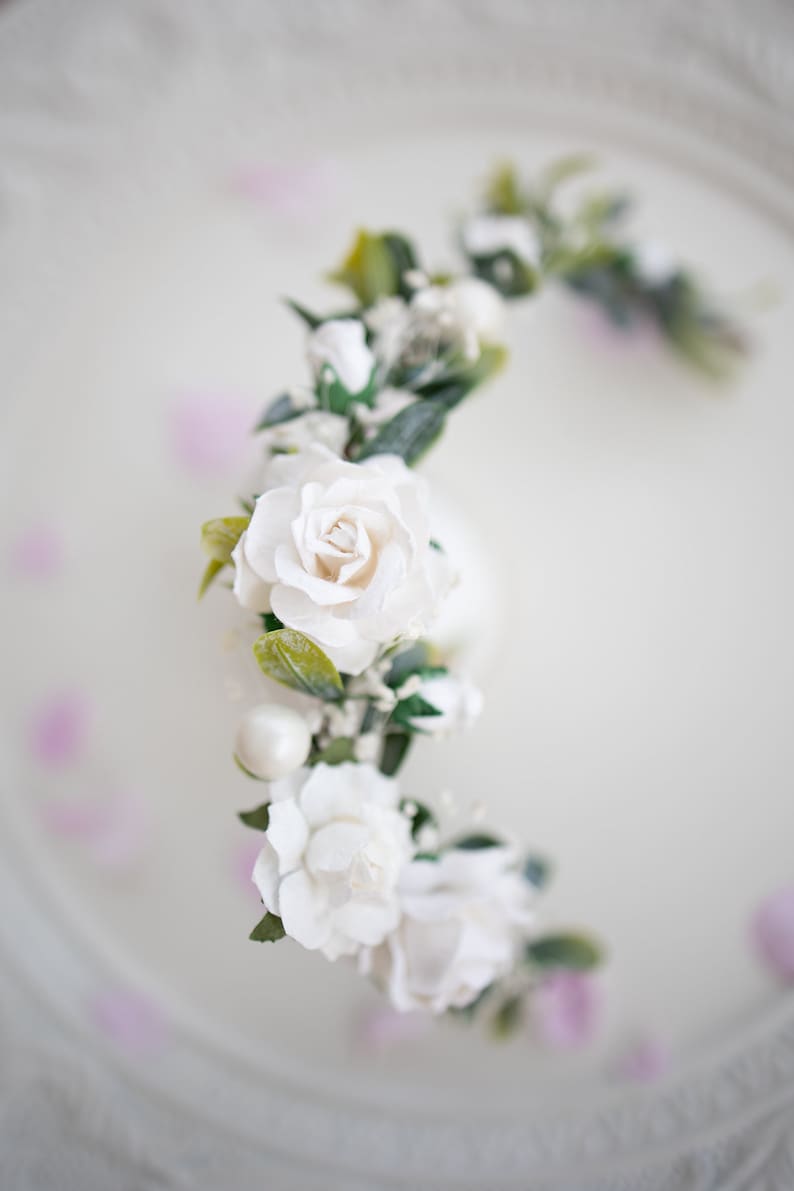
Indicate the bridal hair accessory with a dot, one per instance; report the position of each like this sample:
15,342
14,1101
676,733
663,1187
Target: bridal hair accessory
336,560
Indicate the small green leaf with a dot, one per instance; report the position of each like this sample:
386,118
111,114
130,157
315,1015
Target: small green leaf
312,320
268,930
451,387
410,433
220,536
407,662
290,658
279,411
476,841
407,710
570,166
258,818
574,952
271,622
395,750
508,1018
368,269
338,751
212,568
507,273
469,1012
537,871
422,816
503,192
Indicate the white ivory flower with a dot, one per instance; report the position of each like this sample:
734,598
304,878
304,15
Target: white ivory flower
334,850
464,918
458,700
485,235
341,552
341,345
462,315
388,403
316,426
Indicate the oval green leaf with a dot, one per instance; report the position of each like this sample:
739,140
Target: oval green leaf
220,536
268,930
410,433
289,657
577,953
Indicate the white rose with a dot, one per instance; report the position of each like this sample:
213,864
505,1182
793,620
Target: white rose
485,235
334,850
461,315
464,918
458,700
341,552
317,426
341,345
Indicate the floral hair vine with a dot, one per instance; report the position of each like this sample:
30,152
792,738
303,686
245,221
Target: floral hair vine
336,557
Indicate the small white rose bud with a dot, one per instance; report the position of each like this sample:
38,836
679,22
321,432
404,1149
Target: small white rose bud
366,748
272,741
411,686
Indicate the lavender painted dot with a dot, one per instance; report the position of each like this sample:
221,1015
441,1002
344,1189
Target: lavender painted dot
292,190
772,933
130,1020
59,729
37,554
566,1009
383,1028
209,430
646,1061
112,829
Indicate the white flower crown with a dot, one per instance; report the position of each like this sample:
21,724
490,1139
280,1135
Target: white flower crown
336,556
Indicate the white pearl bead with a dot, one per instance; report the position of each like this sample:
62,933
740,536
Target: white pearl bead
272,741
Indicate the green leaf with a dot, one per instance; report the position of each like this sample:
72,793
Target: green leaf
279,411
339,750
450,388
508,1018
332,394
268,930
476,841
290,658
410,433
271,622
469,1012
570,166
220,536
368,269
404,258
503,193
407,662
312,320
577,953
507,273
422,816
395,750
258,818
407,710
212,568
537,871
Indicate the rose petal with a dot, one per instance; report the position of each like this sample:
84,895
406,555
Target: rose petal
772,932
37,553
59,729
566,1009
287,833
304,911
208,431
266,877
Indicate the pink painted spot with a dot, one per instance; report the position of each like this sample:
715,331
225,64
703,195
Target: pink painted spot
383,1028
243,860
59,729
644,1062
130,1020
566,1009
37,553
772,933
208,431
113,830
296,190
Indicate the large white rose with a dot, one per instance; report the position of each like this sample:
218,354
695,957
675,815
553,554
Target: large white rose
334,850
340,344
341,552
464,918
